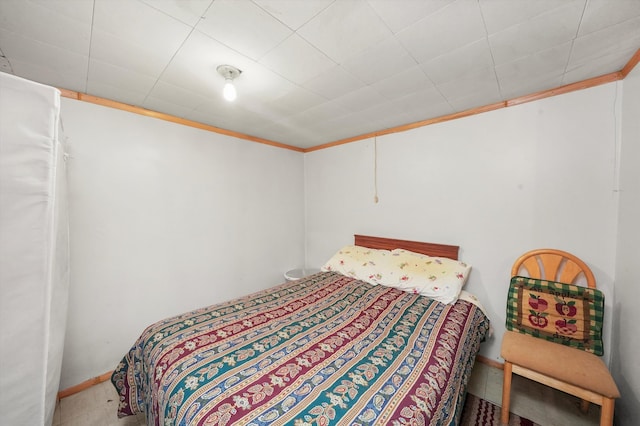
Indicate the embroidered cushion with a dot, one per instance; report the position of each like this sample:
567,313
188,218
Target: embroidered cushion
562,313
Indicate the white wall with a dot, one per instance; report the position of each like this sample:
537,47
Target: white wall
626,315
542,174
164,219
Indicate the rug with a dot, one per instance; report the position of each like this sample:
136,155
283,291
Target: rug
480,412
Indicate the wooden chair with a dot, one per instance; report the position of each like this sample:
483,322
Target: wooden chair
573,371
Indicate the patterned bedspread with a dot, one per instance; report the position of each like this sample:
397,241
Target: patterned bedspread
325,350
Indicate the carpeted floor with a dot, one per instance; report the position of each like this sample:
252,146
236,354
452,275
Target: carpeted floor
480,412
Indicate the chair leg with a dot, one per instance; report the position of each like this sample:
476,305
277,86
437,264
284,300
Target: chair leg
506,393
606,412
584,405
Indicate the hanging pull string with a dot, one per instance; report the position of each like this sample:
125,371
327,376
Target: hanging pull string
375,169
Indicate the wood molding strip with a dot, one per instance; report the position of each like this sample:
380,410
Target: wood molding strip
411,126
489,362
84,385
167,117
585,84
66,93
580,85
631,64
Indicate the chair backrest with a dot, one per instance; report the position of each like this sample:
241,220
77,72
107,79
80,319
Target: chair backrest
553,265
553,303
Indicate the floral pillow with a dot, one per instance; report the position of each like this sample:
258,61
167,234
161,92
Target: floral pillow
439,278
358,262
562,313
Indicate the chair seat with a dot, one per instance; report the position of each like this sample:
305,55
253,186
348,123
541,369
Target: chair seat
573,366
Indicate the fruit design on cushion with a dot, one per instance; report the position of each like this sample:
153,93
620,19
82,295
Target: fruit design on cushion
537,302
566,327
538,319
567,309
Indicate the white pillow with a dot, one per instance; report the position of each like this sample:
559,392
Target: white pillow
439,278
358,262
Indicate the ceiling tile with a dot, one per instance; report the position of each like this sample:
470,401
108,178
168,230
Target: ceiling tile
511,89
360,99
296,100
188,11
499,15
484,95
248,121
370,68
420,101
314,71
289,135
620,37
261,83
167,107
116,93
472,91
214,112
63,24
139,24
375,118
399,17
450,28
194,65
244,27
333,83
115,76
599,14
481,80
135,36
404,83
107,48
459,63
422,106
230,115
284,60
319,113
605,64
548,62
301,138
542,32
293,14
345,28
166,92
45,63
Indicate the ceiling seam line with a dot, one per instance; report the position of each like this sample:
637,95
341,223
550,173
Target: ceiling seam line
566,65
93,17
493,59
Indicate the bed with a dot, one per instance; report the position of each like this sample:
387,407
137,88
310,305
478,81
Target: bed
328,349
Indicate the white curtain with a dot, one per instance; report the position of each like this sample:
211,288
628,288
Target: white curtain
34,254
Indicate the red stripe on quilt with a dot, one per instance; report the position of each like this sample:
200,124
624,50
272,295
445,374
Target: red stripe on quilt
280,374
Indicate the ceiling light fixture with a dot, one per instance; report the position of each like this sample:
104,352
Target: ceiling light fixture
229,73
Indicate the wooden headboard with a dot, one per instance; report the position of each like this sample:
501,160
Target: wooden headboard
430,249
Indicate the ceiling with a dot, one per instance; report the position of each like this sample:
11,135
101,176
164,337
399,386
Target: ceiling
315,71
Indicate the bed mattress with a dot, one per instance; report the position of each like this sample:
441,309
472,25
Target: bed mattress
326,349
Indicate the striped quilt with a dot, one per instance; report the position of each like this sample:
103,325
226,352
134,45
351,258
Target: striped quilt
323,350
